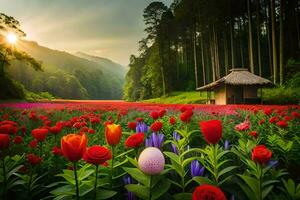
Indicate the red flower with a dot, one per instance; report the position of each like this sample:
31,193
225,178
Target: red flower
254,134
34,159
95,120
274,119
135,140
18,140
186,115
186,107
4,141
55,129
131,125
212,130
154,115
91,131
208,192
295,114
262,121
287,118
57,151
73,146
39,134
156,126
161,113
8,129
261,154
243,126
97,155
113,134
268,111
33,143
282,124
172,120
139,119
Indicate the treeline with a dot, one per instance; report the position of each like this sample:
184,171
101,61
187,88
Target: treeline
195,42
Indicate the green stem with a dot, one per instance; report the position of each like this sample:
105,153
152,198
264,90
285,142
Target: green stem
260,183
4,178
41,149
215,149
150,187
112,166
96,178
76,180
29,182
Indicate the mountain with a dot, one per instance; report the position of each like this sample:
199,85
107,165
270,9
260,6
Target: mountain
69,76
107,64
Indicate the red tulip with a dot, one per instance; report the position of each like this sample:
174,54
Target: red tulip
212,130
172,120
113,134
34,159
18,140
57,151
282,124
97,155
4,141
156,126
131,125
135,140
261,154
206,192
33,143
39,134
73,146
186,115
154,115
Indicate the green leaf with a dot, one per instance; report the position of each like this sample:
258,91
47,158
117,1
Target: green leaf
64,190
251,182
161,188
266,191
201,180
134,162
139,190
174,157
226,170
138,175
105,194
183,196
125,153
121,163
84,189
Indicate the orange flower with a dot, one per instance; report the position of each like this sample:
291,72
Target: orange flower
73,146
113,134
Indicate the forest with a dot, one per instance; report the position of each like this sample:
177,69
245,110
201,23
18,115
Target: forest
195,42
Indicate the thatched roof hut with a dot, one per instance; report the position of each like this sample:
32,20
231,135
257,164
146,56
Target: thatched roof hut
240,86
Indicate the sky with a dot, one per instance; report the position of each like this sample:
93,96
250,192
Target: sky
105,28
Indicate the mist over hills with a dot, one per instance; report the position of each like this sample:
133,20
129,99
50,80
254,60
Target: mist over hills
79,76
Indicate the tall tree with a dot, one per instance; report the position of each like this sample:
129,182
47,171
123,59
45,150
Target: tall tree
274,50
250,39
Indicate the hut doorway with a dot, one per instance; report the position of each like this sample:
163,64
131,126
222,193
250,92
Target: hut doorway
236,94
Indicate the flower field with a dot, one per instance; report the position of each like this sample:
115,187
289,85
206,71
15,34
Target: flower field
120,150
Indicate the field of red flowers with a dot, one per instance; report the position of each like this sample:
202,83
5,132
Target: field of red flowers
121,150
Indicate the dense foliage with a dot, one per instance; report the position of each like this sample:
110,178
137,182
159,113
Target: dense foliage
195,42
93,151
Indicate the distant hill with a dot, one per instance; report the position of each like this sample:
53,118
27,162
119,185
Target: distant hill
69,76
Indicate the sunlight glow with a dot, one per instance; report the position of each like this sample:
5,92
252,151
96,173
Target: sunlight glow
11,38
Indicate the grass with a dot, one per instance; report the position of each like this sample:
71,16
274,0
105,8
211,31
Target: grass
181,98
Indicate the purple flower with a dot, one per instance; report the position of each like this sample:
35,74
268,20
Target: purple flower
148,142
196,169
272,163
174,149
176,136
157,139
128,180
141,127
226,145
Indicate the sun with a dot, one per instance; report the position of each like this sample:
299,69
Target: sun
11,38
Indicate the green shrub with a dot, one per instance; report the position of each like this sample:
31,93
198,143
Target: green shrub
11,89
281,95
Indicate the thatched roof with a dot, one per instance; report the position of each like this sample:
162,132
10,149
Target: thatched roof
239,76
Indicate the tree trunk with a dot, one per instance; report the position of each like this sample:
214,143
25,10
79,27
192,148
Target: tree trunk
202,60
212,57
195,55
241,44
274,41
268,28
250,46
232,44
281,44
258,35
225,53
216,53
